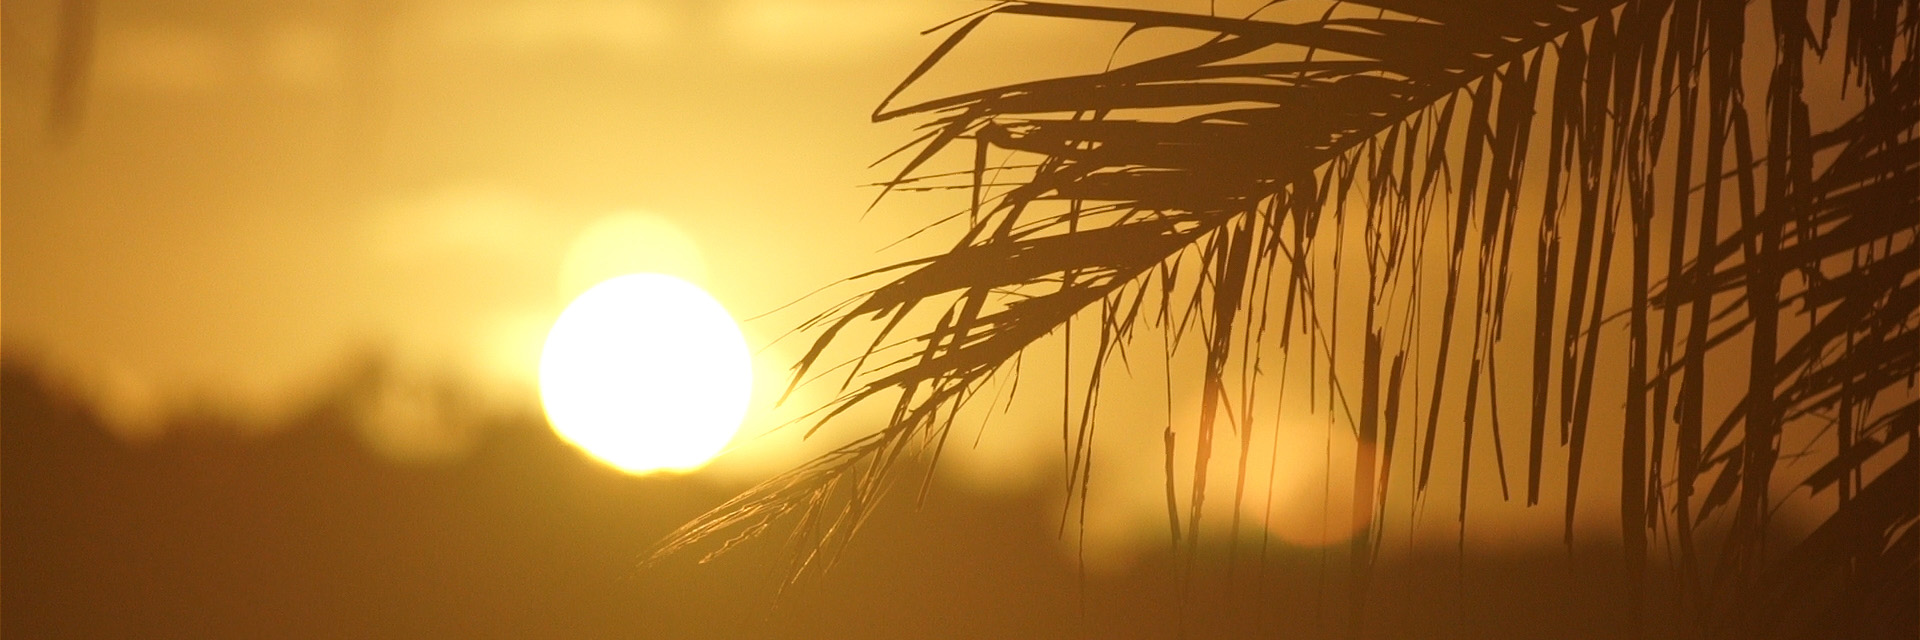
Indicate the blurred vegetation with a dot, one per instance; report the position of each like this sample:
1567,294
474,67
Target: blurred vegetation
308,529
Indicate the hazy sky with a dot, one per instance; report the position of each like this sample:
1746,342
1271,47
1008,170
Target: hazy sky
258,193
254,191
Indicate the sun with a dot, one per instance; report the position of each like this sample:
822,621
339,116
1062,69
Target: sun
647,373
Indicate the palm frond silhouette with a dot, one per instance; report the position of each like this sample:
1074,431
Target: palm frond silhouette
1193,192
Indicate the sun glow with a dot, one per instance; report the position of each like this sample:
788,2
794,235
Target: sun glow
647,373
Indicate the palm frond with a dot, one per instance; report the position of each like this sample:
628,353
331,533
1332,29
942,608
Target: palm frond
1182,188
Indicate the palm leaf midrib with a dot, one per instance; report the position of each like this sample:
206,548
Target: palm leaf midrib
1254,184
1483,55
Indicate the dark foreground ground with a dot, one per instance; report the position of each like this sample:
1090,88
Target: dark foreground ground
304,533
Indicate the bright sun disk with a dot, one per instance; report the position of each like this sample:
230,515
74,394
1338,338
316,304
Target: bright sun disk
647,373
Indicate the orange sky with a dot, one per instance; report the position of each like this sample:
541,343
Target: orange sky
257,192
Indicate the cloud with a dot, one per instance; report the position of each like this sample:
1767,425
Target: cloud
599,26
301,54
461,223
164,58
795,31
